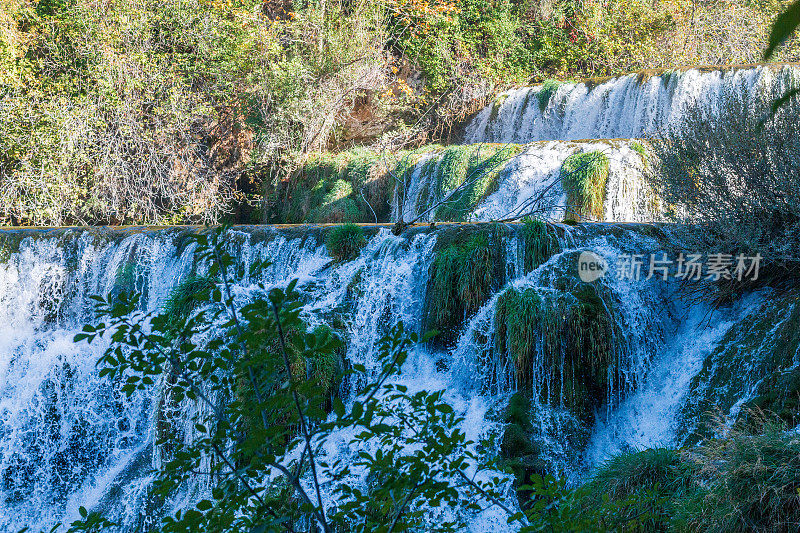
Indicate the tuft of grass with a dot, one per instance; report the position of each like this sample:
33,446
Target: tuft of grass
628,473
754,482
345,242
539,243
640,149
584,178
461,279
549,88
569,336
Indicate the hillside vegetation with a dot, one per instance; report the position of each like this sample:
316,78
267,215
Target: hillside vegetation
136,111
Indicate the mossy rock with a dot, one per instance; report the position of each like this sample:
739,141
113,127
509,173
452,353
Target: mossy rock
462,277
549,88
757,353
518,411
516,443
584,176
345,242
571,337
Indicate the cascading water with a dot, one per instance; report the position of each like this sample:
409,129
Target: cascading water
528,182
631,106
607,366
69,438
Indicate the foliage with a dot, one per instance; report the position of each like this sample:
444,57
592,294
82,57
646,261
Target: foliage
539,242
461,279
734,175
259,419
754,482
584,177
345,241
183,111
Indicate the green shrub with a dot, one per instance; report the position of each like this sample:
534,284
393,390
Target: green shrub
345,242
584,177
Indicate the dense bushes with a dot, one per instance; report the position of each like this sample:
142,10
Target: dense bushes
735,173
175,111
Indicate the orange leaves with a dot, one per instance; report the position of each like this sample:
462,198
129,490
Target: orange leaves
419,15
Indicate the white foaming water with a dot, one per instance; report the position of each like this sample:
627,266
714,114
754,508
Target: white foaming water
649,417
530,183
624,107
69,438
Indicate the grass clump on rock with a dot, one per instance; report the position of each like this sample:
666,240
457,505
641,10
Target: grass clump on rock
563,346
539,243
344,242
462,278
584,178
549,88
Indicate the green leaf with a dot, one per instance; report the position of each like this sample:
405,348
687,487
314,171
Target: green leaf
338,407
782,28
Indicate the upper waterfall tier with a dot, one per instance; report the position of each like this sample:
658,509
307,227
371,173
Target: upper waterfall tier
552,180
634,105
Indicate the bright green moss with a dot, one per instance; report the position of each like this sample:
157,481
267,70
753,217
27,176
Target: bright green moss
539,242
476,170
584,176
338,205
639,149
549,88
344,242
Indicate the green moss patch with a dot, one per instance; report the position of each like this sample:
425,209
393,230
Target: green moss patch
563,346
474,171
345,242
759,352
584,176
539,242
549,88
462,277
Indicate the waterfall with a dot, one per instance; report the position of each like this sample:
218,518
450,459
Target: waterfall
630,106
528,180
69,438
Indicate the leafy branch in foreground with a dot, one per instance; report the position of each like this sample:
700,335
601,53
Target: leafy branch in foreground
251,420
